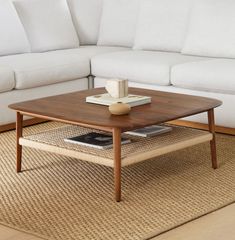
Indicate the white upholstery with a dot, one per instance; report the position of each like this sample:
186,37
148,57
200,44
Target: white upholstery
224,115
13,39
138,66
91,51
212,30
213,76
162,24
7,79
48,24
118,22
86,16
8,116
39,69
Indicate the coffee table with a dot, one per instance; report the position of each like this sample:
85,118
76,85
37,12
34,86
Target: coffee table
72,109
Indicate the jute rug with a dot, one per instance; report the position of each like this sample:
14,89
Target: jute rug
66,199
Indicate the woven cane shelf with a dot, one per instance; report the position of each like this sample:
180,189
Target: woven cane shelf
138,150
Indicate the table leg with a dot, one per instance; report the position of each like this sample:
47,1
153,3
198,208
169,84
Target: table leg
211,122
117,162
19,129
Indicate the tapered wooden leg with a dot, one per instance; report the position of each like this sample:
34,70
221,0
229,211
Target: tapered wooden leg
117,163
19,129
211,122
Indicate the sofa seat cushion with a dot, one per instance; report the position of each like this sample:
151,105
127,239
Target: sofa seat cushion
213,75
40,69
92,50
7,80
138,66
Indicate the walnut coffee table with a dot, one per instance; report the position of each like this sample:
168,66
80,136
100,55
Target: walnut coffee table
72,109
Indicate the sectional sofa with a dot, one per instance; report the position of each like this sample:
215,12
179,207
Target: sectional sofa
50,47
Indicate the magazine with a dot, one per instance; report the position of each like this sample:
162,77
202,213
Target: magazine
150,131
96,140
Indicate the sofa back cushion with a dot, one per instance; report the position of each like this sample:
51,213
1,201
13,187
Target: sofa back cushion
162,24
48,24
86,16
118,22
13,39
212,29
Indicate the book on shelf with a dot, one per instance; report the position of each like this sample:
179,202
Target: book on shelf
96,140
150,131
106,99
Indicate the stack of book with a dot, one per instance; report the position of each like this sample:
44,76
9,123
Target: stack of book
104,141
106,99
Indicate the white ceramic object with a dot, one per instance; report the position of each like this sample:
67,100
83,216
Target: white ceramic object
117,88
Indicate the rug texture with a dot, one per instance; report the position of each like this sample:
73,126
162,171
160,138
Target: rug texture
63,198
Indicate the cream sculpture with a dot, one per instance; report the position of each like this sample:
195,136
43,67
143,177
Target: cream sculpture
118,88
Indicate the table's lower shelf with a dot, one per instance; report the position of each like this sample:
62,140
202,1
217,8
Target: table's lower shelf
138,150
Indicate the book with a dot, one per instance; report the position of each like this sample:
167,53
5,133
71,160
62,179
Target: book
106,99
150,131
96,140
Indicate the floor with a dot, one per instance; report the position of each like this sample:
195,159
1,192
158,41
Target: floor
215,226
7,233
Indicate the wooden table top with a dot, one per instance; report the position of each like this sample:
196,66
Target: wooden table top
72,108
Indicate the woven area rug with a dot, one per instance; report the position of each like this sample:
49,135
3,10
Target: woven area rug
66,199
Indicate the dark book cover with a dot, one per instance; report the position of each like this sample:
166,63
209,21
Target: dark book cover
93,139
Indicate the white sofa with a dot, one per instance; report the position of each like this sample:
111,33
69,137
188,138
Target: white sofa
49,47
